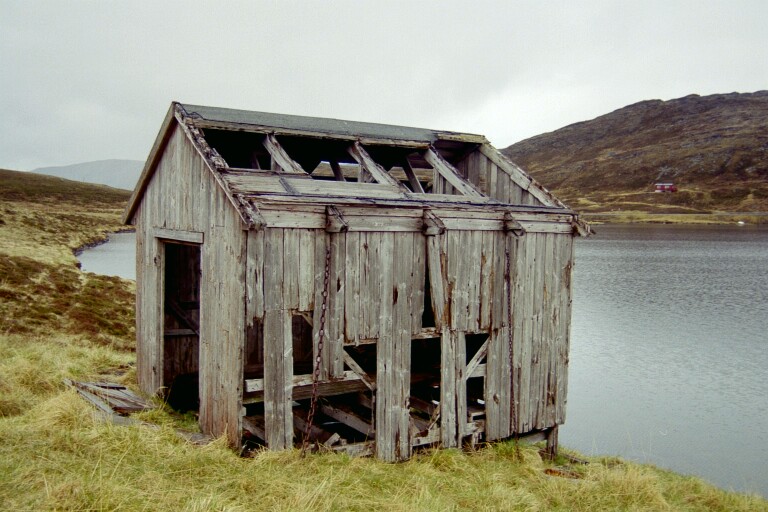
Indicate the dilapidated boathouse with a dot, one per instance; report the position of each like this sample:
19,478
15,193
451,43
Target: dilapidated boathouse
372,288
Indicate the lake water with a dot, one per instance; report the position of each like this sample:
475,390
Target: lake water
669,348
114,258
669,351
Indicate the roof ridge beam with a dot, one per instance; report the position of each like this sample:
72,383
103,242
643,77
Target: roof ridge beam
378,172
450,173
281,156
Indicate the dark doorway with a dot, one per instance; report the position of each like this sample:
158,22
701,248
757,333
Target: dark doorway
181,325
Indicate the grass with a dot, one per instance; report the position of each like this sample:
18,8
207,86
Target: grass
57,454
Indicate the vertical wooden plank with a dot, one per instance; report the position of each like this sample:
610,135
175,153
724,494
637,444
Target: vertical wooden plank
278,347
402,264
307,281
487,277
376,265
472,172
458,293
502,187
418,280
352,295
255,277
291,268
538,340
278,375
438,281
565,267
531,241
460,366
386,400
473,266
333,352
493,180
448,420
485,173
498,387
551,311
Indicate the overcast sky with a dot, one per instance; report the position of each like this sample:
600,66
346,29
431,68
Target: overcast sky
92,80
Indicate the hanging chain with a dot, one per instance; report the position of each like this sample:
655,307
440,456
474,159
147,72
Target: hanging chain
320,342
513,405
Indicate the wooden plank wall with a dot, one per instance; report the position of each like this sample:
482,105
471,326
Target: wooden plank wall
183,196
473,270
376,290
492,180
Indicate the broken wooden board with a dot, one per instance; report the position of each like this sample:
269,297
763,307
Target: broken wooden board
110,397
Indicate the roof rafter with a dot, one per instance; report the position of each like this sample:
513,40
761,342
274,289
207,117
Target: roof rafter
378,173
281,156
450,173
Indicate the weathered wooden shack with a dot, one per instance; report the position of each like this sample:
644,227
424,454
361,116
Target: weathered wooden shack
414,285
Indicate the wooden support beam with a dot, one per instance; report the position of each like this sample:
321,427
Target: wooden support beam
412,179
432,224
250,211
347,416
374,169
450,173
552,444
183,316
316,433
304,391
299,381
335,221
475,361
255,426
352,364
338,173
281,157
512,226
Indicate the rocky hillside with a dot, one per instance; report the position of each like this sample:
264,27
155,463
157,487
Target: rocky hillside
714,148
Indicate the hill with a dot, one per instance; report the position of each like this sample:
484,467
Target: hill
121,174
714,148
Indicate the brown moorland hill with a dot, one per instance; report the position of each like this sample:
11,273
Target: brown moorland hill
714,148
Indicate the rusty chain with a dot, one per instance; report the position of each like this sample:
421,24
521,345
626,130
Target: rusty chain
320,342
512,404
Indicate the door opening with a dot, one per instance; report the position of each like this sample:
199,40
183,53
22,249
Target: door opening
181,325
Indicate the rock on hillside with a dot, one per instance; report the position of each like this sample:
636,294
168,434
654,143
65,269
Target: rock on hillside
714,148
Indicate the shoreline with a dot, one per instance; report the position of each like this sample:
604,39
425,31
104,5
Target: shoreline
640,217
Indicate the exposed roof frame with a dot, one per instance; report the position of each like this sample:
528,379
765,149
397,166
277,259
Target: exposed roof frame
236,127
450,173
519,176
281,156
378,172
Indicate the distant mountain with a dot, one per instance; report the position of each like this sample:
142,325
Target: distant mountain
714,148
114,173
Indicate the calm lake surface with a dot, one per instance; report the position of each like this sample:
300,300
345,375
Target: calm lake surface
114,258
669,352
669,349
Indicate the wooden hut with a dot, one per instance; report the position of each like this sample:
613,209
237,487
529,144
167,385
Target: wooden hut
372,288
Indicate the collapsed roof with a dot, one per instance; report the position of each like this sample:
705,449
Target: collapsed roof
259,157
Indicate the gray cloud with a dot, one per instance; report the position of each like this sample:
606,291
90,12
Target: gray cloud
92,80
